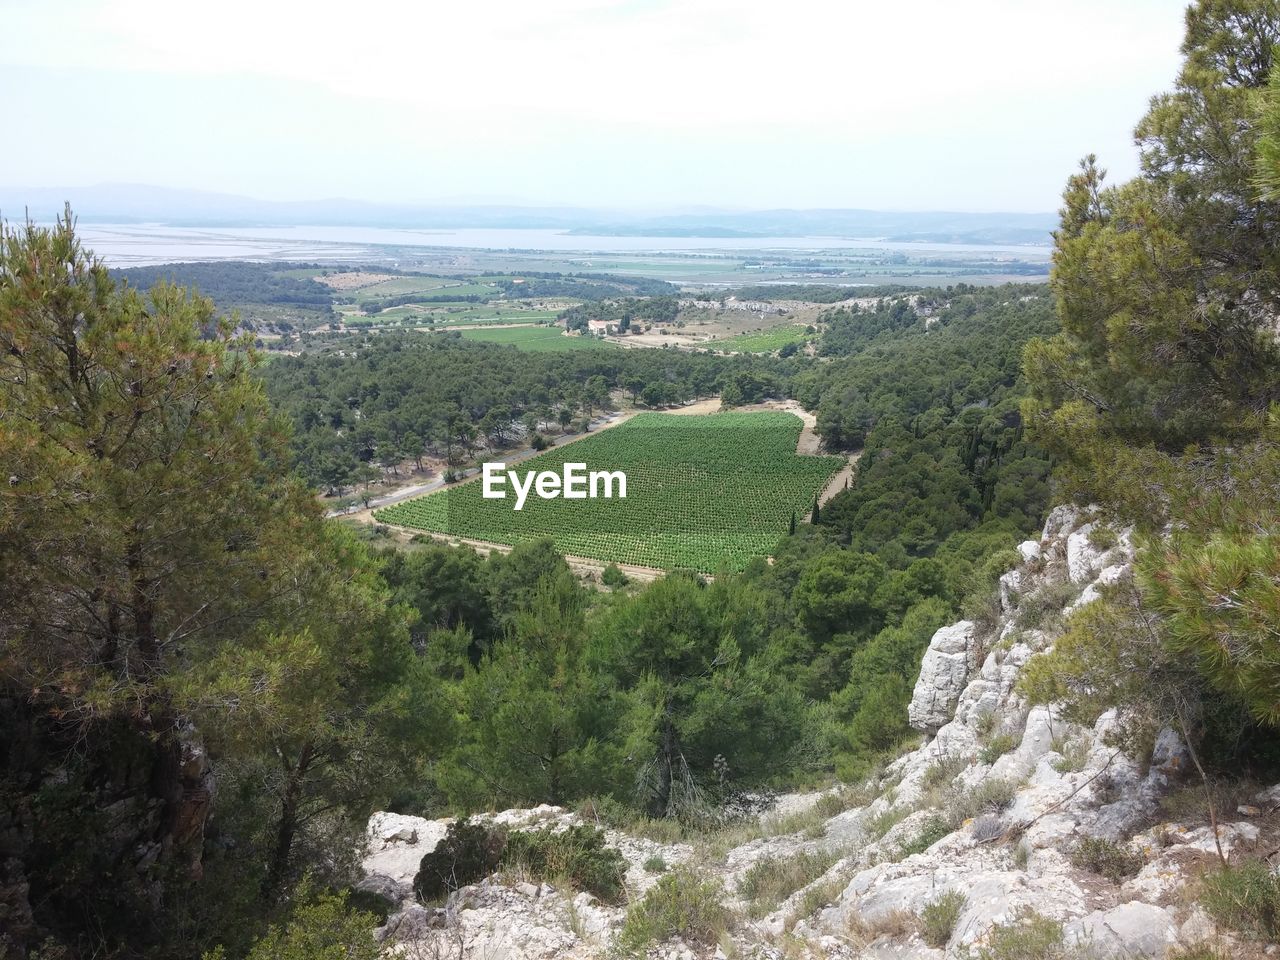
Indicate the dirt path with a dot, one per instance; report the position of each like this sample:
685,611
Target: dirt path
840,480
581,566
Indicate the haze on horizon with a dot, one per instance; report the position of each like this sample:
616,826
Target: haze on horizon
931,105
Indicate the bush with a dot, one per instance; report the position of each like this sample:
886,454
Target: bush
1112,860
773,879
322,927
576,855
1029,937
468,852
681,904
613,577
655,864
939,916
1245,898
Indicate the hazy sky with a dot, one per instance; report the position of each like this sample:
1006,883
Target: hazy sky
914,104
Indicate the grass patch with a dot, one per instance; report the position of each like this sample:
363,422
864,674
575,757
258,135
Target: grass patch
1245,898
815,898
770,881
997,747
882,823
992,797
939,916
934,829
1073,754
943,772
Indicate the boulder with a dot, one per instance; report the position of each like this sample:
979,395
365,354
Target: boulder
944,671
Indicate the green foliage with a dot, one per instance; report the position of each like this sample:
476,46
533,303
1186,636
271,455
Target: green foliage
1109,859
1029,936
681,904
1245,897
469,852
321,927
577,855
997,747
655,864
939,916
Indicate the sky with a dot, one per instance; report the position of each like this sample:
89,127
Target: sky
982,105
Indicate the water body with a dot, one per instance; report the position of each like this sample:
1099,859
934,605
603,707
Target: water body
142,244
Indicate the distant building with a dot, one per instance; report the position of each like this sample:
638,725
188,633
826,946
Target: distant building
599,328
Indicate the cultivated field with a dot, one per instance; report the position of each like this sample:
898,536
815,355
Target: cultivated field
535,338
703,492
764,342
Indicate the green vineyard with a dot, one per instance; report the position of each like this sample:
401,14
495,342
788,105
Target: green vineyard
703,492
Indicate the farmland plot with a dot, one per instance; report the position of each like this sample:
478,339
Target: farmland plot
703,493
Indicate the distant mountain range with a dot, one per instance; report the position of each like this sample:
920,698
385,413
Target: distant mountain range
135,203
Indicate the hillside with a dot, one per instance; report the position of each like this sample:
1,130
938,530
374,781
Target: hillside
1009,829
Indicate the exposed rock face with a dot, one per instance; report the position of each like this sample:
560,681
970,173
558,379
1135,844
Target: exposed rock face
943,673
928,831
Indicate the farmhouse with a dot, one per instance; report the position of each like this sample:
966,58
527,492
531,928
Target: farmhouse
600,328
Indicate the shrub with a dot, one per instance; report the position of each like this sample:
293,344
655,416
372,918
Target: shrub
1245,898
934,829
773,879
681,904
468,852
986,828
322,927
939,916
1102,537
1042,610
1106,858
1030,936
997,747
613,577
576,855
655,864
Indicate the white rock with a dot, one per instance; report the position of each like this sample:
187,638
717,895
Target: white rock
1130,930
1010,584
944,671
1062,519
1083,558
